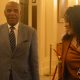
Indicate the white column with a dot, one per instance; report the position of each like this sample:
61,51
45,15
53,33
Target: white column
41,33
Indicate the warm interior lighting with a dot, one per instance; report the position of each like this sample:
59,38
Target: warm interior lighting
15,0
55,3
76,2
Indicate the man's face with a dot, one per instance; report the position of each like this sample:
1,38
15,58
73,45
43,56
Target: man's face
12,13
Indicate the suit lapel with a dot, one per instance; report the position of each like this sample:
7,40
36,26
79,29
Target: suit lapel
22,34
5,37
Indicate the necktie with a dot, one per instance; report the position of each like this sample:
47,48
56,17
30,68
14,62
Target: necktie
12,38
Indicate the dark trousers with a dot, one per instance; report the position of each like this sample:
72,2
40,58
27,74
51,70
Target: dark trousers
10,76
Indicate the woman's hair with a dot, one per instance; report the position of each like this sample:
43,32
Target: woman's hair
75,20
72,15
67,17
68,14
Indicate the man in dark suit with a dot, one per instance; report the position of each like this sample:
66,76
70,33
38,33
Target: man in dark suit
18,54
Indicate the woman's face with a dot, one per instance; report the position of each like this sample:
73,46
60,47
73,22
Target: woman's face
68,29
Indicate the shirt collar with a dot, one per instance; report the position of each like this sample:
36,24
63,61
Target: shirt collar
16,26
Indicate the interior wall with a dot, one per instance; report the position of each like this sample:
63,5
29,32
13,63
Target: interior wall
2,6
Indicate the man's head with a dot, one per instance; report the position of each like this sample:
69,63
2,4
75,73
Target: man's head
12,13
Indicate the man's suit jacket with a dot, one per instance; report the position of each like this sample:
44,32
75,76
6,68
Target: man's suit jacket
24,60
